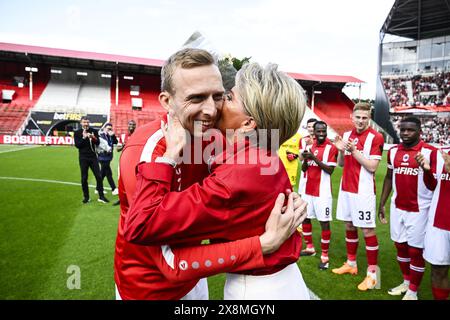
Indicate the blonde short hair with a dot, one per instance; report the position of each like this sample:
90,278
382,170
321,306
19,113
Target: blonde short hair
272,98
364,106
187,59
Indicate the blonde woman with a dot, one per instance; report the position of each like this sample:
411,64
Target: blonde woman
262,111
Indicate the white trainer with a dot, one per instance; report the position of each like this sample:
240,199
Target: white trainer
410,295
115,192
399,290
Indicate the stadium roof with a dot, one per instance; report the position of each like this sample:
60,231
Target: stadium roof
102,60
85,55
324,78
418,19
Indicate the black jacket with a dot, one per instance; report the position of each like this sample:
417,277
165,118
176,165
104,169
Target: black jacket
86,147
112,140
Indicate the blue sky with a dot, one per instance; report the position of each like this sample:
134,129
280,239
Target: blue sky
320,36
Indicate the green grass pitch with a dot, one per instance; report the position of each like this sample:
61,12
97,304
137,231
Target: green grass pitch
45,229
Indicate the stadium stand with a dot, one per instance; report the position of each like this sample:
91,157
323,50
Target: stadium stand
414,64
310,114
335,108
140,86
73,83
434,129
418,90
328,102
426,96
70,91
14,78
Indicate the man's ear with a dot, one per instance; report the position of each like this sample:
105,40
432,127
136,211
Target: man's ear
164,100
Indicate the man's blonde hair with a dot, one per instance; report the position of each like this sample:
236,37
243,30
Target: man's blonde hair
272,98
187,59
364,106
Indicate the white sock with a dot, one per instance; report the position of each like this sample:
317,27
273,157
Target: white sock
351,263
410,292
406,282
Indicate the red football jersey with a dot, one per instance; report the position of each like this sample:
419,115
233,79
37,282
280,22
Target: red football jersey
318,182
355,178
410,192
305,143
440,204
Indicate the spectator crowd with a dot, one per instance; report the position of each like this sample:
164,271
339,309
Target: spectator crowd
434,129
431,90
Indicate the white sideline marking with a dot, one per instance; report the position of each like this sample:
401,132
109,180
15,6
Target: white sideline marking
19,149
313,295
50,181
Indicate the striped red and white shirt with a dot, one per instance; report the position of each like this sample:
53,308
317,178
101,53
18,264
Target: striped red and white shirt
318,182
305,143
439,181
355,178
409,190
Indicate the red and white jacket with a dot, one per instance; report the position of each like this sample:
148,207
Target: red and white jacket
161,271
232,203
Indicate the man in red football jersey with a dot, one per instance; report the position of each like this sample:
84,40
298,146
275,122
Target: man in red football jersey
131,128
360,152
409,205
305,145
318,165
437,237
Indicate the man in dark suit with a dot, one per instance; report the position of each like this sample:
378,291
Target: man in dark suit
86,139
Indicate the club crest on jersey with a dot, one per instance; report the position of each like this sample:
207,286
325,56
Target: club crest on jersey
316,152
405,157
355,141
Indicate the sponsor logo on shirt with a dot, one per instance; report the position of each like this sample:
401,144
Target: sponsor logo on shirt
407,171
443,176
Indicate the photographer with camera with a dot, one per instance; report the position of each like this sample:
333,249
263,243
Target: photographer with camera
86,140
